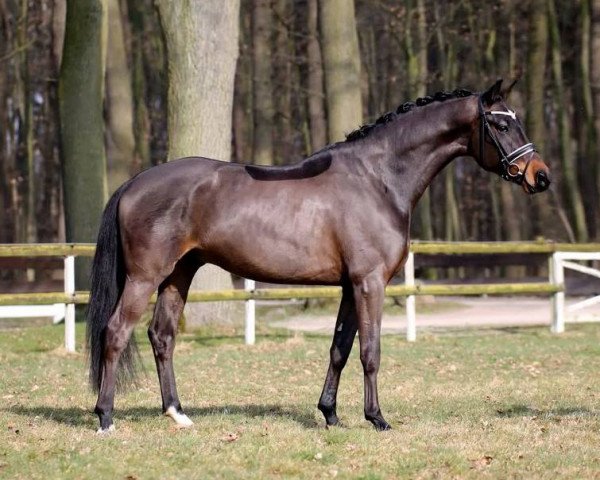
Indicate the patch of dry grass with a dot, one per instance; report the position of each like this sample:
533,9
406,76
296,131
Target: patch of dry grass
513,404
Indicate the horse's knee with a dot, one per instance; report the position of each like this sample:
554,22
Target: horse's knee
370,362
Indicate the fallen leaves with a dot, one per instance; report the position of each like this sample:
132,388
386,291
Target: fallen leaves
481,463
13,428
231,437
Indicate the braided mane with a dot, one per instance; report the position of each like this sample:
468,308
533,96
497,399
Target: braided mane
364,131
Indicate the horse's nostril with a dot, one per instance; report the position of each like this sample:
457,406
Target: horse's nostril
542,180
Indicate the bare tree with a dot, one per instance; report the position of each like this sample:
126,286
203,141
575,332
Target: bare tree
262,26
201,80
81,90
341,62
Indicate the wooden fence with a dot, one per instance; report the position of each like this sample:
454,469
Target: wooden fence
559,255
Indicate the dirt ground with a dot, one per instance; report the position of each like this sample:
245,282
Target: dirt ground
464,313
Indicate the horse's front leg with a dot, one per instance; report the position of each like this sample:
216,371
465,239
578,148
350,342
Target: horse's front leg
369,292
343,338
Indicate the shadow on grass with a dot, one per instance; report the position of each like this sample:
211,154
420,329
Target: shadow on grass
66,416
527,411
533,330
79,417
213,340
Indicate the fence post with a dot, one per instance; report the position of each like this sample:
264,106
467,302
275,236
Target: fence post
411,314
70,307
250,305
557,278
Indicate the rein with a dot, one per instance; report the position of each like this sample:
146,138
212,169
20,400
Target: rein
509,170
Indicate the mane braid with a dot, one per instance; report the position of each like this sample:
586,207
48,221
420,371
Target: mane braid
363,131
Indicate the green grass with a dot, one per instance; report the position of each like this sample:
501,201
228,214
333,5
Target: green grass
518,403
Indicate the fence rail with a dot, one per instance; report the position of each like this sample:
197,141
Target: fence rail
81,297
417,247
557,252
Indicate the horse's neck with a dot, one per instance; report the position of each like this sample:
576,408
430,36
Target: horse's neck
433,139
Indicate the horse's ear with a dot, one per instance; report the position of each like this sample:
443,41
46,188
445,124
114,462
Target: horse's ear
506,91
492,94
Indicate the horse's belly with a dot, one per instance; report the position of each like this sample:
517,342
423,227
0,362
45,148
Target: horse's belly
278,262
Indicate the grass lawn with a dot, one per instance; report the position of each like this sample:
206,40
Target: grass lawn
519,403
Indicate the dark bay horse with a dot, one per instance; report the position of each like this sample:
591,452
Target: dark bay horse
340,217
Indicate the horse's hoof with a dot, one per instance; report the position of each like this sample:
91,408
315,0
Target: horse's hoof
181,419
332,424
380,424
331,418
106,431
332,421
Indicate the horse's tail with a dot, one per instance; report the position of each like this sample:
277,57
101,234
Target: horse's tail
107,280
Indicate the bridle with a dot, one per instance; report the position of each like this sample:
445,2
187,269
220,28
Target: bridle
509,170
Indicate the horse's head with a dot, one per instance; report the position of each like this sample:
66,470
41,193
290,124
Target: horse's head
500,145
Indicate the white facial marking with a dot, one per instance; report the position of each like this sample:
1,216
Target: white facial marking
341,327
180,419
510,113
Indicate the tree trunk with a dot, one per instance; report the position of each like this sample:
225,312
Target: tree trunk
242,103
595,73
201,80
417,78
119,103
512,230
27,129
139,87
447,64
316,94
536,68
569,172
341,63
42,65
82,123
156,73
59,15
262,26
282,84
588,142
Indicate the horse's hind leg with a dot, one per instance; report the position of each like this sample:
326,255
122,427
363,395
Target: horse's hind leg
343,338
134,299
172,295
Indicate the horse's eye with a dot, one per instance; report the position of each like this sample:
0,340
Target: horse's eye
503,128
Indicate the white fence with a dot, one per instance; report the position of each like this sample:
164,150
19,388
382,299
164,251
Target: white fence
57,311
558,263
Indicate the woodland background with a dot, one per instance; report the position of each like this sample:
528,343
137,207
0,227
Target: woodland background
290,54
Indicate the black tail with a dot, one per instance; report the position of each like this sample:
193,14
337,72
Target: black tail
107,281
